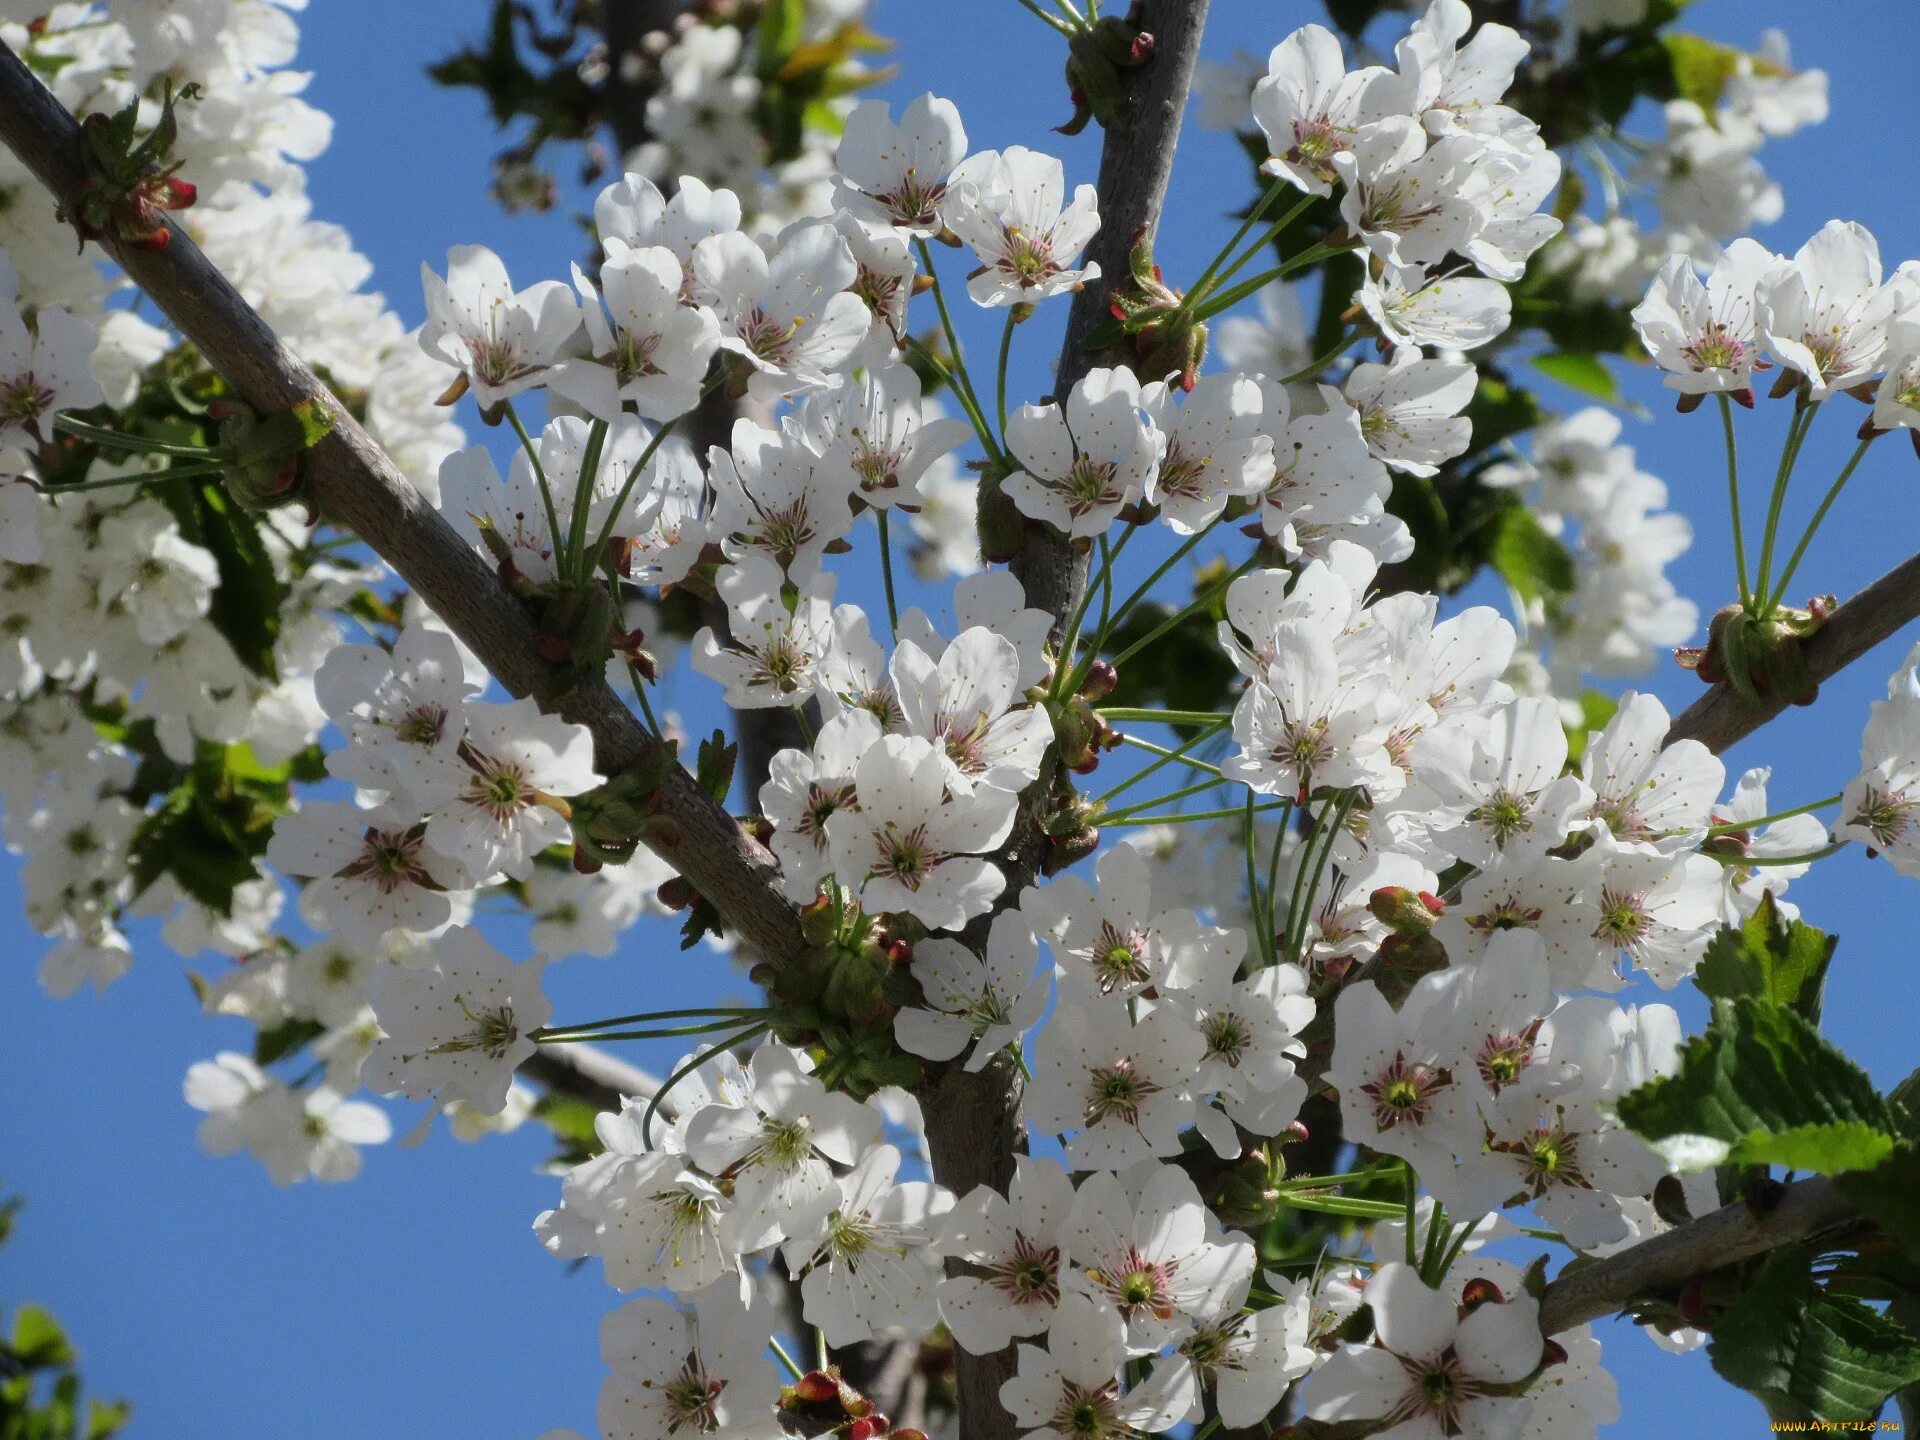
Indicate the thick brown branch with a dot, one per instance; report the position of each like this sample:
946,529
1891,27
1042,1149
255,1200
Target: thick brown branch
1739,1232
354,484
1721,718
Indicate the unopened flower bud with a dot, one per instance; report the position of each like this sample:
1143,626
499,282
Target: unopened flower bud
816,1387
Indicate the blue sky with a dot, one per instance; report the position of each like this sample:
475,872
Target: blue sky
414,1302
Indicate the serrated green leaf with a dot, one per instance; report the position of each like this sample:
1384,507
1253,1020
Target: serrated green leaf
1579,370
1890,1195
1530,560
1762,1083
1784,961
1807,1354
248,601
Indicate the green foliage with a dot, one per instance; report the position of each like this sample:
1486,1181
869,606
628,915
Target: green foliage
1781,961
572,1123
1535,565
1763,1082
554,97
246,607
1701,67
39,1385
215,820
1583,371
1809,1354
284,1039
800,79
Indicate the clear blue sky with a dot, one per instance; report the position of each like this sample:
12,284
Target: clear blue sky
414,1304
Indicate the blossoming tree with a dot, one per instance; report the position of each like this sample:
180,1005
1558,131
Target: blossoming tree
1181,954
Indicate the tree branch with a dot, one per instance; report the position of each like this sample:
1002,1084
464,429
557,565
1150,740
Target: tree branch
1721,718
1136,162
588,1073
353,483
1738,1232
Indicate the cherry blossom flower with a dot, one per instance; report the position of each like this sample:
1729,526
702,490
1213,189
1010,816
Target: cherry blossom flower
1072,1390
503,341
896,173
1432,1372
1082,462
987,1001
1704,335
671,1377
519,762
867,1263
373,870
1215,448
1006,204
1013,1241
789,316
655,348
460,1029
773,656
1311,109
913,848
1141,1244
42,371
778,1140
1410,410
1124,1091
966,703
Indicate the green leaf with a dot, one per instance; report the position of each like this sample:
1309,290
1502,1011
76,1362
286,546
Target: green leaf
38,1341
1890,1194
283,1039
1807,1354
1701,68
1530,560
1904,1101
1763,1084
1775,959
247,603
1596,709
106,1417
1580,371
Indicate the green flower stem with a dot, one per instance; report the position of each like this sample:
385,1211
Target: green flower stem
1267,237
1190,818
570,1037
773,1341
645,1017
1731,826
1733,502
1199,601
1198,290
1000,382
1328,1182
1312,255
1101,580
1341,1205
575,567
639,469
145,477
1058,24
1826,504
1413,1202
640,694
1177,795
1320,362
981,432
122,441
959,379
1163,717
1789,456
1166,757
1742,861
539,474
